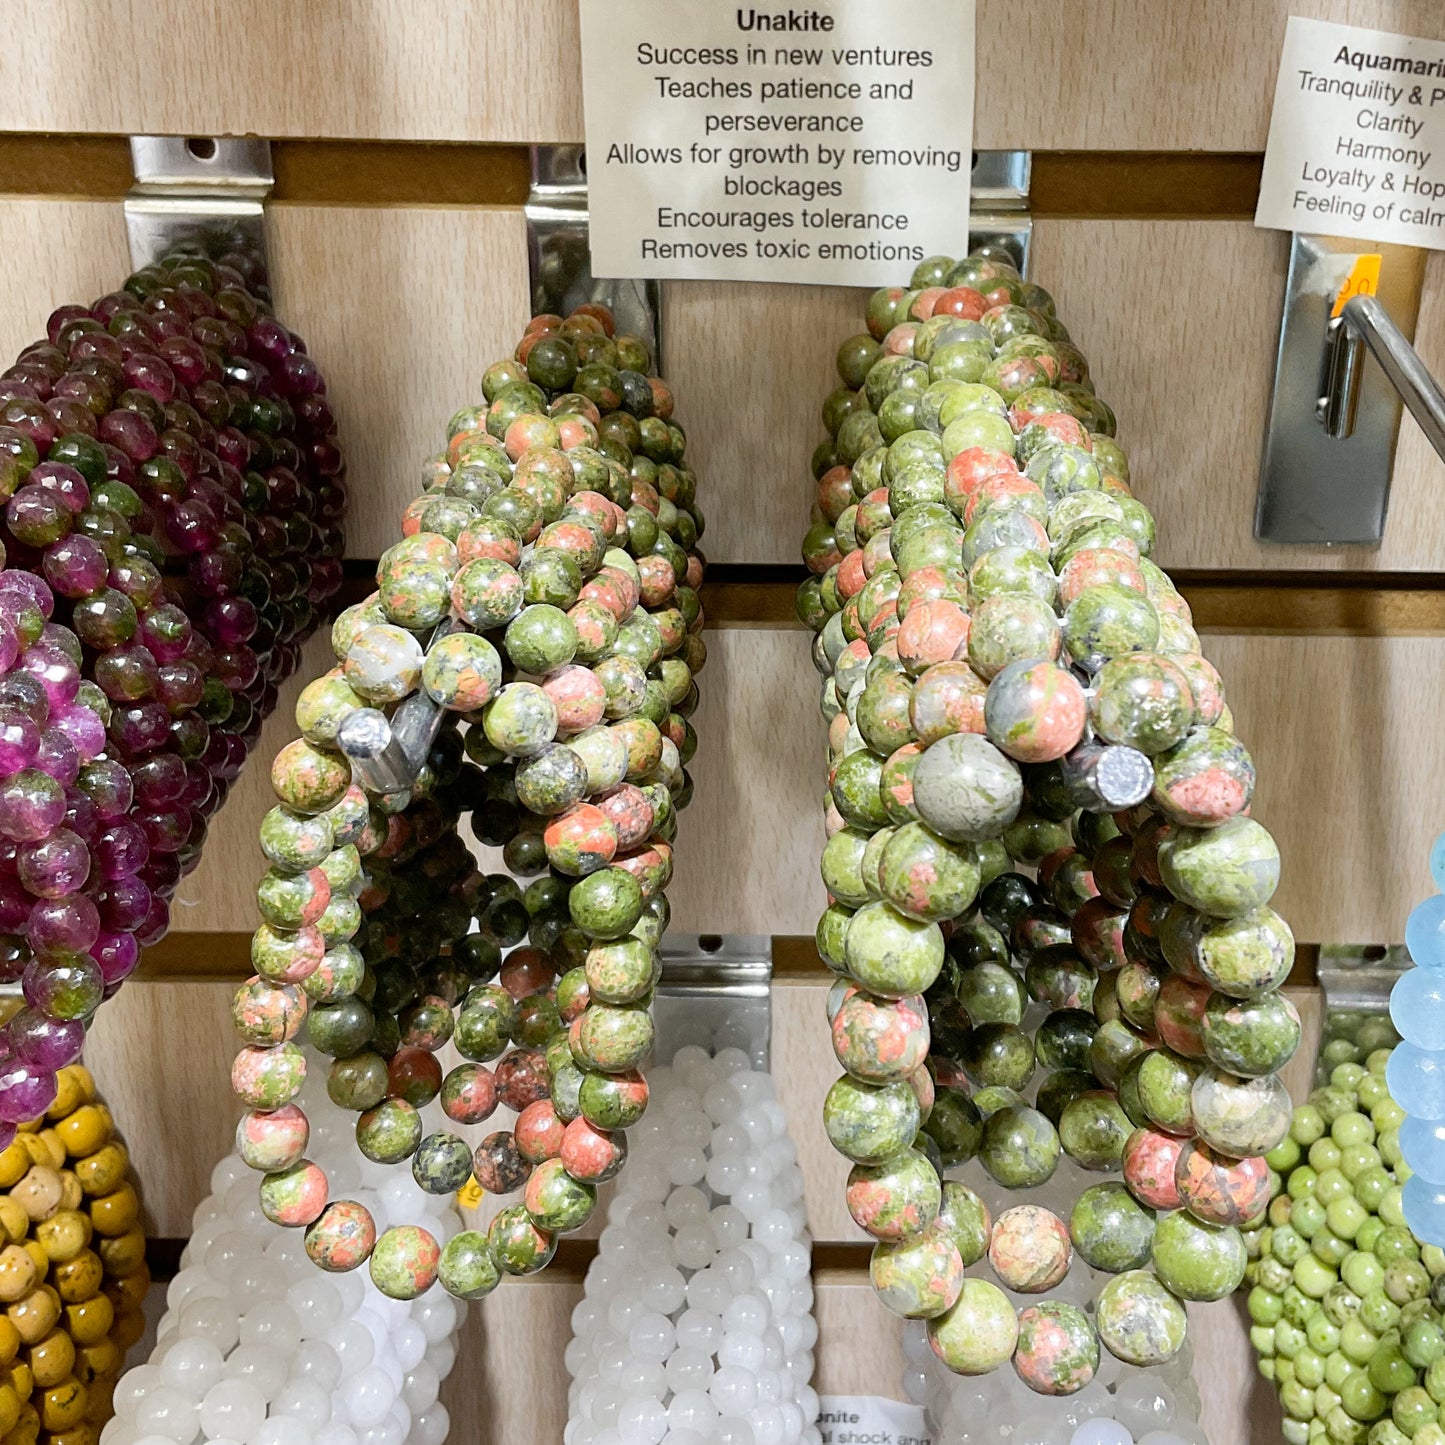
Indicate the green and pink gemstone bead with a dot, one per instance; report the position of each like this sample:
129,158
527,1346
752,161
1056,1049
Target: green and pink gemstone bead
1034,794
544,599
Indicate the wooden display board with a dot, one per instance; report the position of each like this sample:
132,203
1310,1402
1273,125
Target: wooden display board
399,252
1087,75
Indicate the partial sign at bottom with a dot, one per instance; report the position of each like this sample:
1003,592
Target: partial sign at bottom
870,1420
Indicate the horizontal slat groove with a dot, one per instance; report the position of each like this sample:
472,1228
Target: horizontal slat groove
569,1264
1340,605
1363,604
1153,185
1093,185
194,957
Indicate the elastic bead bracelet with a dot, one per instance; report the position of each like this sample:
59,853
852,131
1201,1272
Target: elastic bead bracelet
73,1276
1336,1250
544,594
255,1345
702,1273
172,493
1039,851
1417,1066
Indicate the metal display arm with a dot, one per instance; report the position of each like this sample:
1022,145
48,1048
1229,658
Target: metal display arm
1364,322
1329,444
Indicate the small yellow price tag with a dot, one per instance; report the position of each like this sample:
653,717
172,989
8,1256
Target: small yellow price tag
1363,280
469,1196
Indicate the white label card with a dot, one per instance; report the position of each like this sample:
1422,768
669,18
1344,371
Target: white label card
830,144
870,1420
1357,137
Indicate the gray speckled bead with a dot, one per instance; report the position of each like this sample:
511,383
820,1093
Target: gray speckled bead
965,789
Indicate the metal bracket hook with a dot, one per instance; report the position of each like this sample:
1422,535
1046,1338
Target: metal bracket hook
198,189
715,991
560,258
998,210
1364,323
1330,484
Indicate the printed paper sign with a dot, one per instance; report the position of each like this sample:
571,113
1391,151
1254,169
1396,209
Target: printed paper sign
1357,138
831,144
870,1420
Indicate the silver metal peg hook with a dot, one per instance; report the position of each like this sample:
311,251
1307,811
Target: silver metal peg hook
1365,323
1329,446
197,189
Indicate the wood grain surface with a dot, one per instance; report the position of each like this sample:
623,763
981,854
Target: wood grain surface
161,1055
1182,345
1092,74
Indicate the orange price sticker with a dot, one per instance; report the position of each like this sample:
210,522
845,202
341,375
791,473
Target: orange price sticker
469,1196
1363,280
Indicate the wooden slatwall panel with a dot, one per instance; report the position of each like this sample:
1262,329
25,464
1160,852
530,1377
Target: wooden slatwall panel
404,305
414,305
1360,710
1091,74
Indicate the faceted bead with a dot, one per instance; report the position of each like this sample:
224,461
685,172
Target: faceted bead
1417,1007
1425,932
1416,1080
1424,1207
